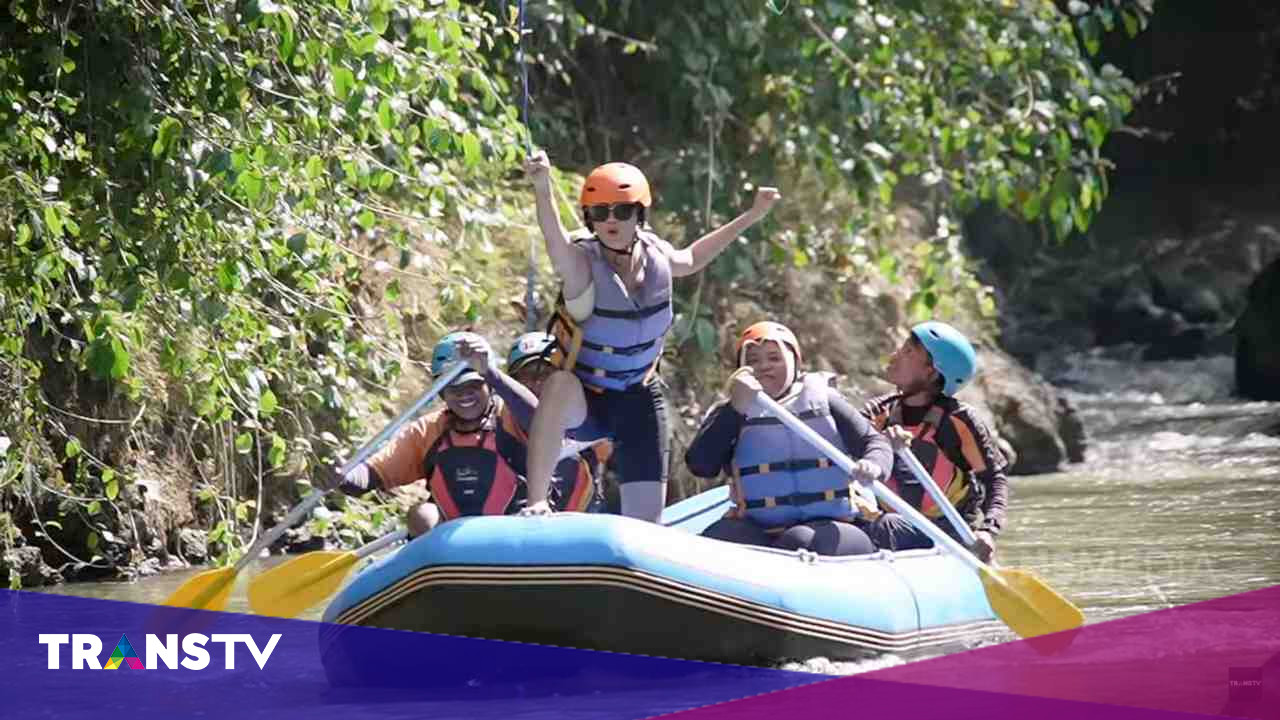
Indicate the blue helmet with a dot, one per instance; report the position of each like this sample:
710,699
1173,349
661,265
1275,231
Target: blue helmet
528,347
953,355
446,353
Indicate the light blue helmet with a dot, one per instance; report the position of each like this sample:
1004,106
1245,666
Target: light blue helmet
953,355
446,353
530,346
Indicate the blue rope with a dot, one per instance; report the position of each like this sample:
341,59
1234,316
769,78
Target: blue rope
524,81
530,297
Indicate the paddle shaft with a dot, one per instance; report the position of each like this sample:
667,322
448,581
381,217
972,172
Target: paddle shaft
390,538
890,498
962,528
368,449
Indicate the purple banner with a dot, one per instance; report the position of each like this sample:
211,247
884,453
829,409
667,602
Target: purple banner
232,665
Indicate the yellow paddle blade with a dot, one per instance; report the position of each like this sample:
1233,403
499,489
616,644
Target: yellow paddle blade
1028,606
209,590
292,587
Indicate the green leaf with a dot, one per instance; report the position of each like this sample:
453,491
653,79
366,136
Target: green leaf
455,31
386,116
53,220
364,44
93,508
276,455
1131,22
367,219
470,149
244,443
379,21
392,293
72,449
166,136
1096,132
1031,206
1081,218
252,184
107,358
343,82
229,275
93,540
314,167
267,402
112,489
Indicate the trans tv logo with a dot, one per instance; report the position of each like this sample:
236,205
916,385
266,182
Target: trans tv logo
86,651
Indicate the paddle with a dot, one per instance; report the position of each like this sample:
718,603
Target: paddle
292,587
211,589
1020,599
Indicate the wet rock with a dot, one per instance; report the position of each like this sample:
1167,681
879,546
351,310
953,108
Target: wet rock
29,564
1258,339
1026,412
300,540
1072,429
193,545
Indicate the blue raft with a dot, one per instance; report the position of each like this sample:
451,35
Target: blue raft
606,582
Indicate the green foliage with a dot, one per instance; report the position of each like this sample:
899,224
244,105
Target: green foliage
188,193
943,103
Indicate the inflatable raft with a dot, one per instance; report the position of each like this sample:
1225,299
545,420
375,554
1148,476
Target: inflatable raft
606,582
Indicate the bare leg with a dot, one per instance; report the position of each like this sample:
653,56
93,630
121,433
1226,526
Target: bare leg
561,407
422,518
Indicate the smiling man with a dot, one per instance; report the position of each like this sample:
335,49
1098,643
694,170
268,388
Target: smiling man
470,452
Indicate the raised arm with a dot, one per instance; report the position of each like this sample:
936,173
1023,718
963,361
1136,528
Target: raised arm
690,260
569,262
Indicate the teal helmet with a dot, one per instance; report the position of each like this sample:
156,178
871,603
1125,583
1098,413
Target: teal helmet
446,353
953,355
529,347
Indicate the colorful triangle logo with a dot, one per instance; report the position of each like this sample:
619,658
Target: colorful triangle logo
124,655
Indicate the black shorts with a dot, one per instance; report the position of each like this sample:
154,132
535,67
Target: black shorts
635,420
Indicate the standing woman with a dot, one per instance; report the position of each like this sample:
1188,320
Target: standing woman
785,493
610,323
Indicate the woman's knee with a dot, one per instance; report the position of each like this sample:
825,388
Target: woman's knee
796,537
832,537
422,518
562,395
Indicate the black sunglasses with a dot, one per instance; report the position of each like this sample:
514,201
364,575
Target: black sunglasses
621,211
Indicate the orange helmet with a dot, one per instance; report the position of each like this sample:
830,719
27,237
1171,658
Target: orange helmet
616,182
768,330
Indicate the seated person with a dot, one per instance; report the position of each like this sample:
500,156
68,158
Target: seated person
946,436
471,453
786,494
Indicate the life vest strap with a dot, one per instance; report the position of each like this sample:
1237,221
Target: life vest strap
798,499
789,466
637,314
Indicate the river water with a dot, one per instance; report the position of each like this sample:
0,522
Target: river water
1175,502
